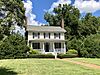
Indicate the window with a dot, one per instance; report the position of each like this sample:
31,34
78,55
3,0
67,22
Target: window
33,35
57,45
49,35
36,35
57,35
36,45
46,35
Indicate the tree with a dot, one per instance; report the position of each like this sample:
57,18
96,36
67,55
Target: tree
89,25
71,17
75,26
12,13
14,46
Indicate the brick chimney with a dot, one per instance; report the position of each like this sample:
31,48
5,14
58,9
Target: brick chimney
62,22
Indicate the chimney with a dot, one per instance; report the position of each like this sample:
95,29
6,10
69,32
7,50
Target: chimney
62,22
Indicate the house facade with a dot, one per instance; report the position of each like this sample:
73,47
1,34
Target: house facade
46,39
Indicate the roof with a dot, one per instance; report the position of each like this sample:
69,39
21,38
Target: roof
45,28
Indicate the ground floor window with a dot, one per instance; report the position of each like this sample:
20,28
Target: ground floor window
36,45
57,45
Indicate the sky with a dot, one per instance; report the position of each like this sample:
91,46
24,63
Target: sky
35,9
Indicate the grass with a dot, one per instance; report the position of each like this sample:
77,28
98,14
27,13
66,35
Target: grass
43,67
95,61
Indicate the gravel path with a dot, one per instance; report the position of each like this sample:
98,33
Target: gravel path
82,63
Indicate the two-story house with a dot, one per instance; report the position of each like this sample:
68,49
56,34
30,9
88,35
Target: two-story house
47,39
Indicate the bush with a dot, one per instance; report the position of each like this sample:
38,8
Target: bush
72,51
41,56
34,51
91,47
13,46
67,55
88,47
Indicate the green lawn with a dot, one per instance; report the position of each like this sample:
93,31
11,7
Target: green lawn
43,67
88,60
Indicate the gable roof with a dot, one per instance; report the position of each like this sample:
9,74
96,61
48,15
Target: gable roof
45,28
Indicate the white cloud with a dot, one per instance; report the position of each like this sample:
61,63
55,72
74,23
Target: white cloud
85,6
55,4
89,6
29,14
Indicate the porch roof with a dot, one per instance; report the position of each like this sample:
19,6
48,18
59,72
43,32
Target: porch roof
47,40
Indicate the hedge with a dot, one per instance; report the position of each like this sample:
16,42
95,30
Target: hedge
41,56
67,56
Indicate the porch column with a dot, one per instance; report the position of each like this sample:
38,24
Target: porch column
31,45
55,53
64,48
53,47
43,47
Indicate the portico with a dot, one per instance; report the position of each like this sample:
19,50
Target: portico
49,46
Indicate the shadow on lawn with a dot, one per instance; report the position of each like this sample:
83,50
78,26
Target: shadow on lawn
5,71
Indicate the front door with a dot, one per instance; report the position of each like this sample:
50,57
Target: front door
47,47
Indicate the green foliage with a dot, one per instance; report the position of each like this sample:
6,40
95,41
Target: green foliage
14,15
41,56
13,46
33,51
88,47
72,51
67,55
71,16
91,47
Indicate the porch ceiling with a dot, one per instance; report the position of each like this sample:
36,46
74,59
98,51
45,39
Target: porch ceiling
47,40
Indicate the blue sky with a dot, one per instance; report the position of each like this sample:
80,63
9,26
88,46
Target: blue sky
39,7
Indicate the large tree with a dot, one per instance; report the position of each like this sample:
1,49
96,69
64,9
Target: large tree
12,13
71,16
89,25
75,25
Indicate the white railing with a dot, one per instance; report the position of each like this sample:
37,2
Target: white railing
59,50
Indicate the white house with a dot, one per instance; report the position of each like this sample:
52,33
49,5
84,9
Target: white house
47,39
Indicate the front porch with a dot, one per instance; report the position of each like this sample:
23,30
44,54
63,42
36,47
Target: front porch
49,47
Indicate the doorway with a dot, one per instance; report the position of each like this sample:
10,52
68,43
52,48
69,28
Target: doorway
47,46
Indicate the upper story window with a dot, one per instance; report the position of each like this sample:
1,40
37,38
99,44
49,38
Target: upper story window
57,35
36,35
47,35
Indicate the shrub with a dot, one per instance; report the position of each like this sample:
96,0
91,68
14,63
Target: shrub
88,47
91,47
34,51
41,56
67,55
72,51
13,46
